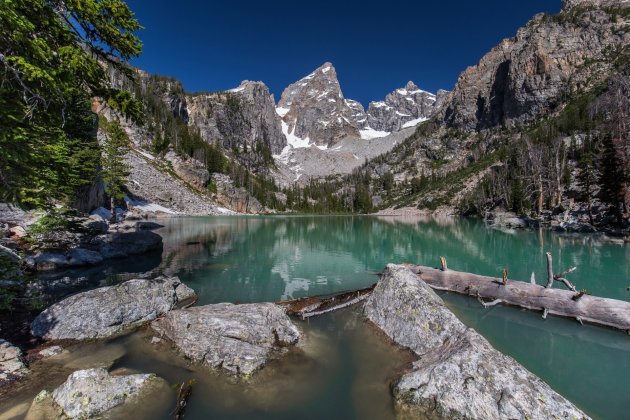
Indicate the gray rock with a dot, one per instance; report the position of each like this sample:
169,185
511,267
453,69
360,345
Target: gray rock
190,170
148,225
524,77
108,311
92,392
101,213
503,220
96,224
459,374
400,107
52,351
11,364
237,338
123,244
241,119
235,198
54,260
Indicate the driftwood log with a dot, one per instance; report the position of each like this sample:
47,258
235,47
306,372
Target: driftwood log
318,305
565,303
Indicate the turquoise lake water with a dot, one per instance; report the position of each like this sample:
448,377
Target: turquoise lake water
255,259
345,367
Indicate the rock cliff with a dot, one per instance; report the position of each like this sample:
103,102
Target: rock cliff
533,73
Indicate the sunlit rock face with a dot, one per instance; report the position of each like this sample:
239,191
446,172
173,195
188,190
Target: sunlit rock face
403,108
237,338
459,374
530,74
314,111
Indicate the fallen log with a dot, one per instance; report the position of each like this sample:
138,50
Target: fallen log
565,303
307,307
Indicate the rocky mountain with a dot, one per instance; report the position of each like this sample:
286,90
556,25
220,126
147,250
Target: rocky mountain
314,111
403,108
511,134
240,119
532,73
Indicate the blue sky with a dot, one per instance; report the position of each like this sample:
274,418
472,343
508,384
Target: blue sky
376,47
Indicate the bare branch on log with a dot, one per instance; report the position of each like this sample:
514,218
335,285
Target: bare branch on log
545,312
505,276
489,304
578,319
579,294
549,271
443,263
558,277
532,279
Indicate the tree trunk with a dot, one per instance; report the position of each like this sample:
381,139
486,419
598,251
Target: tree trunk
584,308
112,203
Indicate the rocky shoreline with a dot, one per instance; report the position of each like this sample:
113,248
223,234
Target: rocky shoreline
458,374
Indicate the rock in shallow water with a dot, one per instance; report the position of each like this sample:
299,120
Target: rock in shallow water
459,375
107,311
91,393
238,338
11,365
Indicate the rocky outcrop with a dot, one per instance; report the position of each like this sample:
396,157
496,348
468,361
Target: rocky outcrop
242,119
237,338
526,76
11,364
124,244
108,311
154,188
236,198
190,170
313,110
405,107
459,374
82,251
93,393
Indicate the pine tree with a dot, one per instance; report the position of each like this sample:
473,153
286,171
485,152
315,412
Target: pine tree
611,180
50,67
586,180
114,168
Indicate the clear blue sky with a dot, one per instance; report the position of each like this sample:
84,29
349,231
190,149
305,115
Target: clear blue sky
375,46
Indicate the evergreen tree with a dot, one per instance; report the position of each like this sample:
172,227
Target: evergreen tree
51,64
611,180
114,168
586,180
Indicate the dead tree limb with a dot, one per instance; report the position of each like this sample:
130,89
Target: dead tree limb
183,394
489,304
558,277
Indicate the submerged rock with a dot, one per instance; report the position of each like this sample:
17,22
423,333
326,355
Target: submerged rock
11,364
91,393
459,375
107,311
238,338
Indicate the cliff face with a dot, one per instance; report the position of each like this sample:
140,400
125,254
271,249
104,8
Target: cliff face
313,110
403,108
240,119
531,74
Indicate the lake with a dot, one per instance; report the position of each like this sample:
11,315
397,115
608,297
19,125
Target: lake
345,367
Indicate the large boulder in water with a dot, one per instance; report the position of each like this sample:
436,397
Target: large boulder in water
93,393
459,374
238,338
107,311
